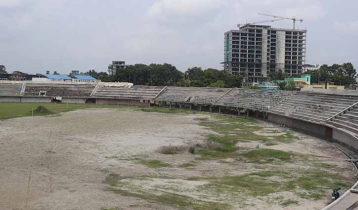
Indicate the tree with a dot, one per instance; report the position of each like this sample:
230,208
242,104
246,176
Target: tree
218,84
279,75
290,86
338,74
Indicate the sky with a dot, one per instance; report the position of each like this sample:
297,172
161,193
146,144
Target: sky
65,35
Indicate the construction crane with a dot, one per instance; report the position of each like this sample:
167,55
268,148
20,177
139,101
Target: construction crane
287,18
266,21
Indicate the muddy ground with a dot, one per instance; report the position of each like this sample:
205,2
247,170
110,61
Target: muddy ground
106,159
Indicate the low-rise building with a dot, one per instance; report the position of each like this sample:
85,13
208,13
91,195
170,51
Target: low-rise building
84,78
305,79
57,77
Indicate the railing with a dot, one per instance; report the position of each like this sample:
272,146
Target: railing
339,113
224,95
95,90
161,92
23,88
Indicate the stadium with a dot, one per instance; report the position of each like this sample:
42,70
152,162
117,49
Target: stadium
110,146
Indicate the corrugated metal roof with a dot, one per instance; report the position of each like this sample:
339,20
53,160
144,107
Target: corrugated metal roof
84,77
59,77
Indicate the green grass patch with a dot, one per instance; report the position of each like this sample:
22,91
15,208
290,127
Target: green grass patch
254,184
289,202
171,199
286,138
267,155
317,179
154,163
323,165
14,110
232,129
168,110
314,183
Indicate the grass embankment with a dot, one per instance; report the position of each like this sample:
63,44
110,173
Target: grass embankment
13,110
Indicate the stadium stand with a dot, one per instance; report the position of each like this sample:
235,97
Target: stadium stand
313,107
68,90
253,99
134,93
347,120
9,89
192,95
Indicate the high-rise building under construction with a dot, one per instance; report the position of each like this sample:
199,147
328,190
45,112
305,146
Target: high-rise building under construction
256,50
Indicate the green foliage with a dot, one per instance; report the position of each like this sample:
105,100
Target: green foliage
254,87
112,179
154,163
290,85
268,155
13,110
338,74
218,84
192,150
168,75
168,110
153,74
168,151
170,199
289,202
308,184
277,75
103,76
212,78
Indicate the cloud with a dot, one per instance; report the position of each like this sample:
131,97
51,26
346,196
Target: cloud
10,3
166,9
305,9
346,27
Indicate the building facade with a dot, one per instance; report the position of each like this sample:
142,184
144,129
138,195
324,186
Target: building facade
116,66
256,50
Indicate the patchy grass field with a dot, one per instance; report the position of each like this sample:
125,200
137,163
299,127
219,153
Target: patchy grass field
13,110
151,158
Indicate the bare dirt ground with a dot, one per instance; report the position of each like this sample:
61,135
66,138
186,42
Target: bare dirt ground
99,159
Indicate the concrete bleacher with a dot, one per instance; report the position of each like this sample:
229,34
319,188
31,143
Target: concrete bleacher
10,89
314,107
67,90
192,95
133,93
347,120
253,99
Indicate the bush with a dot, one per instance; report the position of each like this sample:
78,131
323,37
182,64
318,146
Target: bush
192,150
254,87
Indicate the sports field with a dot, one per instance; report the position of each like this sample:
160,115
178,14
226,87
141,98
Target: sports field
110,158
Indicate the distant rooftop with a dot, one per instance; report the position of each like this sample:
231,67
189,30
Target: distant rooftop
84,77
57,77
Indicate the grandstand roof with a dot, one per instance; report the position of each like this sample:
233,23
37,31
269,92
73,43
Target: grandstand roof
57,77
84,77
